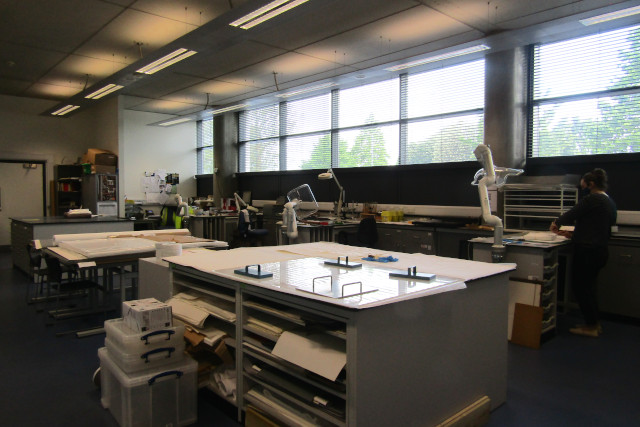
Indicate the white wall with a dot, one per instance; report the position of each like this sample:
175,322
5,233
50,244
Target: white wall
146,148
25,134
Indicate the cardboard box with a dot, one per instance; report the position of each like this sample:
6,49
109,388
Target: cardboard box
103,169
146,314
97,156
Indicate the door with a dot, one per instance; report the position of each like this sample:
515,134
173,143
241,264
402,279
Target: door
21,194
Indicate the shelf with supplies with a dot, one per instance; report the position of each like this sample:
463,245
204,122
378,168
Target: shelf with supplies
66,188
535,206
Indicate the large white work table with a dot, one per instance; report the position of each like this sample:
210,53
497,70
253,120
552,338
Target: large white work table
117,253
415,352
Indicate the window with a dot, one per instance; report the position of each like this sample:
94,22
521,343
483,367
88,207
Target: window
445,114
586,95
258,140
204,149
429,117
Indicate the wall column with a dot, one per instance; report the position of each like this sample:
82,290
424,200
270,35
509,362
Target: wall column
505,109
225,156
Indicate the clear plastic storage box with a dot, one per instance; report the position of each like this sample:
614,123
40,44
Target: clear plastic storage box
163,397
149,358
133,342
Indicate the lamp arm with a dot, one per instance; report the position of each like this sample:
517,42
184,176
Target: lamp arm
342,197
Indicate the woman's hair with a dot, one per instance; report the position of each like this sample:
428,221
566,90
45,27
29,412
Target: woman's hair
598,177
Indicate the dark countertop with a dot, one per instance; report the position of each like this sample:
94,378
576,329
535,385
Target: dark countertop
65,220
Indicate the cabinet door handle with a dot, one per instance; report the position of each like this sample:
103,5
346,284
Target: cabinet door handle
628,256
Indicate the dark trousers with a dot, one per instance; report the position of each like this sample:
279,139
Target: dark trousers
587,262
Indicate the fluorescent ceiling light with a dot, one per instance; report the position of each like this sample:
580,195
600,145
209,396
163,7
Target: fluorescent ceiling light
224,110
176,121
465,51
64,110
611,16
265,13
305,90
167,60
110,88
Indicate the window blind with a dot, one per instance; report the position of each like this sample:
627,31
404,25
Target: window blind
586,95
204,146
444,114
258,132
306,131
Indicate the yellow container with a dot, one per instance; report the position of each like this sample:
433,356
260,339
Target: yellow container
387,216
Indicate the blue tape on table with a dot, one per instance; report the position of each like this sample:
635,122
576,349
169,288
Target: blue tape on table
381,259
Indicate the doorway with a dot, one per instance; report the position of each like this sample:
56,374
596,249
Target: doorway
22,193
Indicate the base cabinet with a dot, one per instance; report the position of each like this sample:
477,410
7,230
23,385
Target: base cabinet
618,288
418,359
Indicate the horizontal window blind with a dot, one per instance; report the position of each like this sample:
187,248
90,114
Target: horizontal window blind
446,90
444,111
376,145
307,133
204,146
308,151
260,156
430,117
372,103
585,97
258,144
450,139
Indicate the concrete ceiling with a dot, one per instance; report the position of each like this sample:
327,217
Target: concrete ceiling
61,50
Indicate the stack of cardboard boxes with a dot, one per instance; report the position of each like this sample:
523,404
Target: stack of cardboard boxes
100,161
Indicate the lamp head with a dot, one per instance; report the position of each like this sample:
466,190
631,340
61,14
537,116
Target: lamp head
325,175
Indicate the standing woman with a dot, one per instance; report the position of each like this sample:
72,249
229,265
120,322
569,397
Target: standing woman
593,217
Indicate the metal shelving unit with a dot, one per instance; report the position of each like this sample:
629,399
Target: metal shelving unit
535,206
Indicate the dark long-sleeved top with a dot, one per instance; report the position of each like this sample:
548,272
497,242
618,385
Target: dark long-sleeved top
593,217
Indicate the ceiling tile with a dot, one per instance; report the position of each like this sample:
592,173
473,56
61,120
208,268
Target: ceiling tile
56,25
402,31
13,86
317,20
118,40
53,90
26,63
159,85
214,64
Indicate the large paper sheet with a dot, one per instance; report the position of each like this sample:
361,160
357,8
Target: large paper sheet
319,353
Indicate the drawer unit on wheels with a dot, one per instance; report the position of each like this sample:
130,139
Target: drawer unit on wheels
536,264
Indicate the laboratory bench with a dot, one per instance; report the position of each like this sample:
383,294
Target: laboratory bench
381,352
25,230
435,239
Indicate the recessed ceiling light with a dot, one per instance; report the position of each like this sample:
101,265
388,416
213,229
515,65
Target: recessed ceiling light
611,16
305,90
110,88
453,54
64,110
224,110
265,13
176,121
165,61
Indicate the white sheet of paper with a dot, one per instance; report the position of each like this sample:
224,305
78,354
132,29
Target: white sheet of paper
188,312
319,353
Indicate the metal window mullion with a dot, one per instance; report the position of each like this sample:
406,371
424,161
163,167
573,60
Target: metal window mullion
282,136
403,126
335,131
